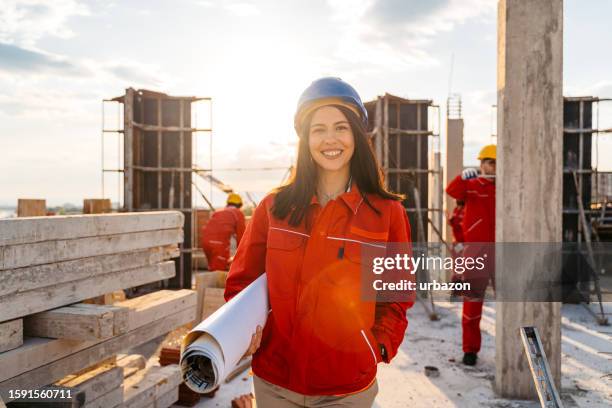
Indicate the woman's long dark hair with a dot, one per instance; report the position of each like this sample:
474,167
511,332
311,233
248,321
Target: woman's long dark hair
293,198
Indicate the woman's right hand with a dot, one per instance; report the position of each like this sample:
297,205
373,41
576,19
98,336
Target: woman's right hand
255,342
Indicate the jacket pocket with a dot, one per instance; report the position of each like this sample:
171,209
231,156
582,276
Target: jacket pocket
284,250
351,362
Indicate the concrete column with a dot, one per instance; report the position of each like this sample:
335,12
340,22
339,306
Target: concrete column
529,175
434,201
128,150
453,166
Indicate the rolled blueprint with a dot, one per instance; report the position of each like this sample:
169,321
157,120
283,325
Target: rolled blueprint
213,348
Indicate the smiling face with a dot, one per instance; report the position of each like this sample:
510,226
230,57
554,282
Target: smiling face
330,139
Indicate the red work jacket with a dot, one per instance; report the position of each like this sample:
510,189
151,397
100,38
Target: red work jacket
223,224
321,337
456,223
479,197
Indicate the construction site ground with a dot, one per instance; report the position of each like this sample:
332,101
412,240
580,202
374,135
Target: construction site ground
586,364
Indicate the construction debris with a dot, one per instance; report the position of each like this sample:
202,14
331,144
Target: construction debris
431,371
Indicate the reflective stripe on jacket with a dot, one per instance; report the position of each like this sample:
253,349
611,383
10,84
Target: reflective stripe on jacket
321,338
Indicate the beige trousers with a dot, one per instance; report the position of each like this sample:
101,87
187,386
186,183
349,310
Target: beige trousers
269,395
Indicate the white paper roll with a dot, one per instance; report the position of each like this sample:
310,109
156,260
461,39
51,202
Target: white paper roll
212,349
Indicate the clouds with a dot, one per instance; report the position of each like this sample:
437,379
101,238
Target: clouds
26,21
403,12
397,34
242,9
15,59
236,8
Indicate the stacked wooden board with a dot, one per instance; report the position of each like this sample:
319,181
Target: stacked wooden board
50,265
210,287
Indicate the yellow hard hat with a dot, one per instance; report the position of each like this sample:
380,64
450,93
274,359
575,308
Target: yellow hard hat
488,152
234,198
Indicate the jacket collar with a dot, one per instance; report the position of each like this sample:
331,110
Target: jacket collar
352,198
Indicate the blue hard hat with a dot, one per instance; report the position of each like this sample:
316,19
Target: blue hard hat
332,89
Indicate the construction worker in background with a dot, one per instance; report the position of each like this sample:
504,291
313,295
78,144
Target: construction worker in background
216,234
322,342
477,191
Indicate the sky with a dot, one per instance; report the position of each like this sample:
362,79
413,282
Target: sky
60,59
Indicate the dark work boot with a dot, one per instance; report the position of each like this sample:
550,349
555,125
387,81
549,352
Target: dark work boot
470,359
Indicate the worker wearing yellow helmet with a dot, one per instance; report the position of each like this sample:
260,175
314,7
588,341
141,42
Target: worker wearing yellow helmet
217,233
234,199
476,189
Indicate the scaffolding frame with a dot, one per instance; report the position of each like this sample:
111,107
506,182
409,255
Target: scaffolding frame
585,212
130,169
593,171
382,132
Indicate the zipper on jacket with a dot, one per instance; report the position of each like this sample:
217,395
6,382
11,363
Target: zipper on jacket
370,346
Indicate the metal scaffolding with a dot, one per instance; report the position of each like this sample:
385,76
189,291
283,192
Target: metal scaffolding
157,152
409,154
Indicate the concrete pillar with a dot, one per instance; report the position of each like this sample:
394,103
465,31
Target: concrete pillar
434,203
529,175
452,167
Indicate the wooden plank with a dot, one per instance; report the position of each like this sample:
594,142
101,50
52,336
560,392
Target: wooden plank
168,399
214,279
112,399
27,207
93,384
38,253
101,206
144,388
33,277
15,231
96,205
131,364
76,361
79,321
38,300
37,352
148,308
213,300
11,335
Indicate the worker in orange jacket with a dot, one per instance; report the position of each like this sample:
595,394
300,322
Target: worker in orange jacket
218,231
477,191
322,341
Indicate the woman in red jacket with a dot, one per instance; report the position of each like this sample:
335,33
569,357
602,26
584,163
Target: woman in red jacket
322,341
